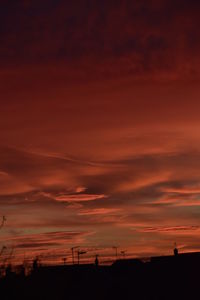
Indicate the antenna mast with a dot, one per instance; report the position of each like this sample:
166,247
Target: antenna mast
72,249
80,253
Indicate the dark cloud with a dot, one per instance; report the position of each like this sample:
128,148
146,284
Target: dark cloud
107,38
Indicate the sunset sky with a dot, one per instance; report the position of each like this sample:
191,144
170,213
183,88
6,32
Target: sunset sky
99,127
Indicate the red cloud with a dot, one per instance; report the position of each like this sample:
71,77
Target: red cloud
78,198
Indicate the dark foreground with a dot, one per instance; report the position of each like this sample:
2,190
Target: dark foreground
176,277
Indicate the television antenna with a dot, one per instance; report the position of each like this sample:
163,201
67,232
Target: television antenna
79,252
72,249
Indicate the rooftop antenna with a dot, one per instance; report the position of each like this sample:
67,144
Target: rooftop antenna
72,249
80,253
116,248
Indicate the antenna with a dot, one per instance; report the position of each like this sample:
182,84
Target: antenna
80,253
72,249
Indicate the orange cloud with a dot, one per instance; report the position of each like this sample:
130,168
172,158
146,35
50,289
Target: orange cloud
78,198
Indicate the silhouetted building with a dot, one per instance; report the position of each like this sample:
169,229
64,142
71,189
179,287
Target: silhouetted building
127,264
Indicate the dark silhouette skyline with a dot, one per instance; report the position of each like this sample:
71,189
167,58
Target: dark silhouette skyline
163,277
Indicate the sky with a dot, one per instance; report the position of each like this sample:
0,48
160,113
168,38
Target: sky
99,128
